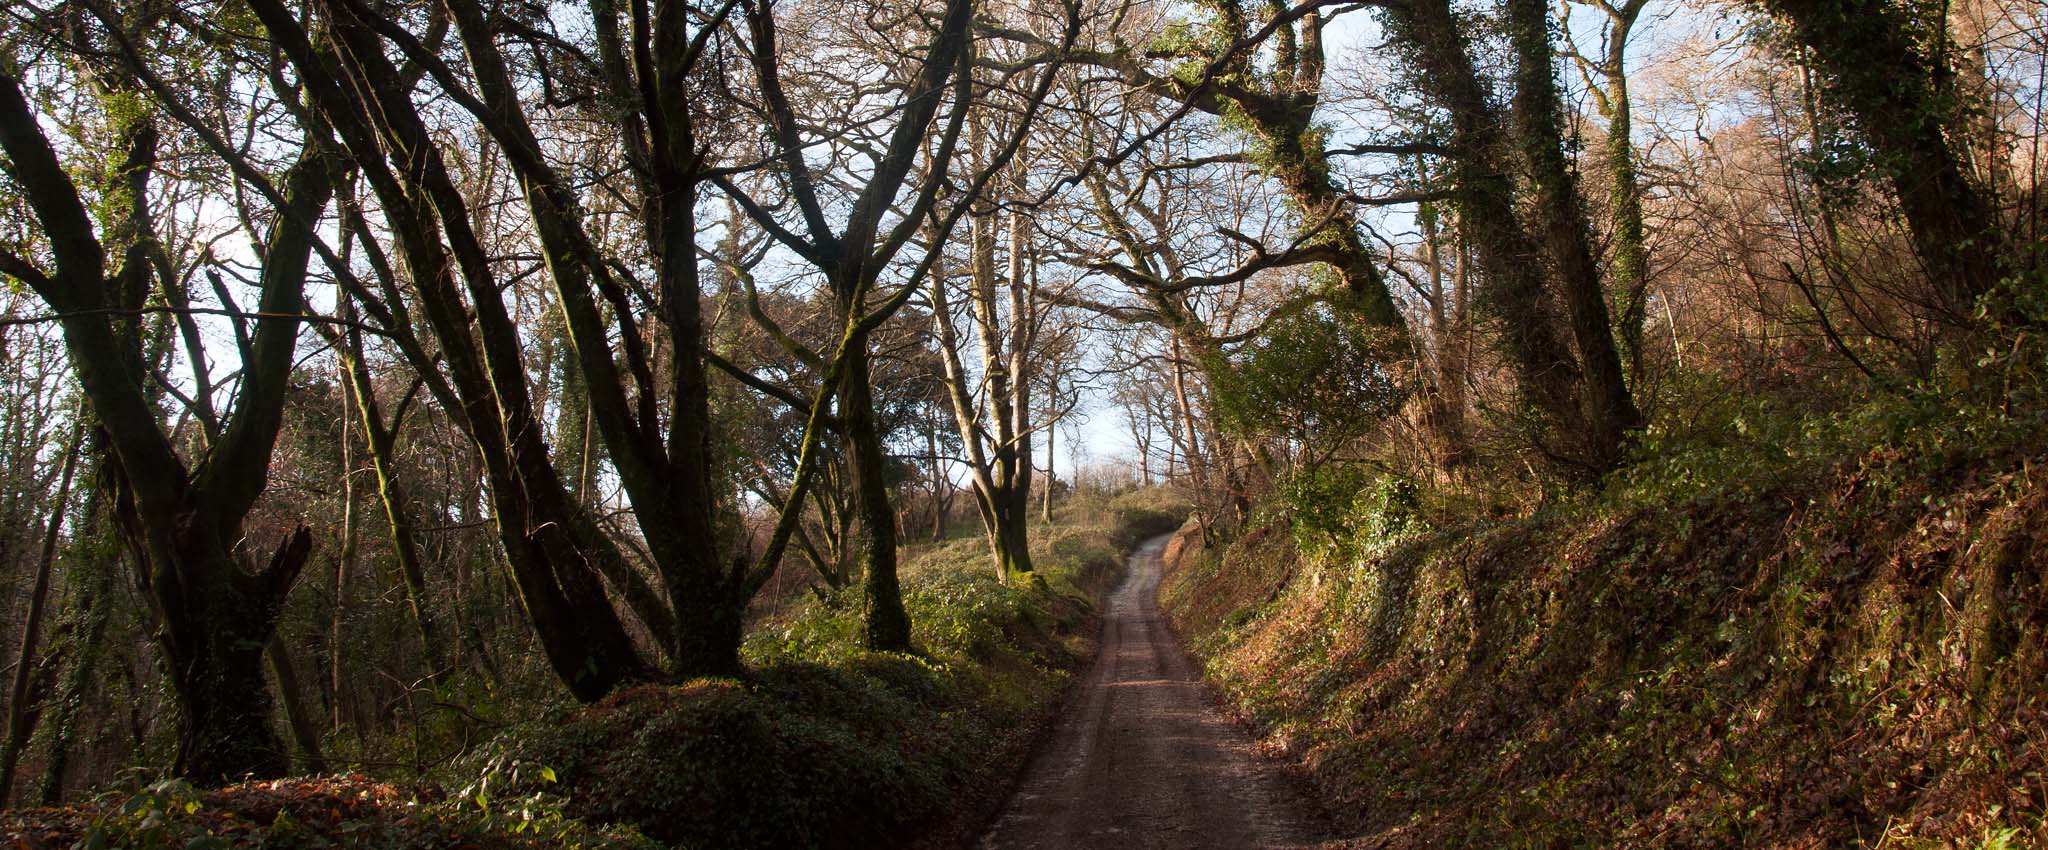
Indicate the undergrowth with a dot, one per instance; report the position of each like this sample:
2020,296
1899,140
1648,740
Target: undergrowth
313,813
1770,630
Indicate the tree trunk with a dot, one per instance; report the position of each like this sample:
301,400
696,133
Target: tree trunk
1002,516
1145,458
942,489
708,641
183,521
381,440
1629,261
1293,153
24,699
1444,400
1631,258
1051,432
1868,51
1510,263
1610,411
89,623
888,624
550,545
295,714
1295,157
992,423
215,631
1193,457
344,572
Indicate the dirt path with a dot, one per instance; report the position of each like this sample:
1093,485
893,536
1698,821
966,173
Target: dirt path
1142,758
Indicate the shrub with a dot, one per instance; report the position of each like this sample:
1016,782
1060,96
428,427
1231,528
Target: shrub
803,755
1317,375
1345,510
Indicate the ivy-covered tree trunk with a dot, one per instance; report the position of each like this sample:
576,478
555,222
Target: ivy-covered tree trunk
1877,66
1609,409
1628,249
1292,149
1510,264
887,622
86,626
1295,156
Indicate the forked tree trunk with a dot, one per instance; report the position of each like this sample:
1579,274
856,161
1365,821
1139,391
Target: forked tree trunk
993,422
184,521
215,633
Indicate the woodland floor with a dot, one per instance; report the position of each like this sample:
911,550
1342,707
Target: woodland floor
1143,758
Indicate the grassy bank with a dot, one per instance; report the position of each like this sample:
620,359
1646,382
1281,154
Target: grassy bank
822,745
1775,632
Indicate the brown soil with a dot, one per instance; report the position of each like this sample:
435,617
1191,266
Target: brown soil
1142,758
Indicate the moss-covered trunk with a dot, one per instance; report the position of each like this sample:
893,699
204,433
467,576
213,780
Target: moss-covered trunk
1512,280
887,623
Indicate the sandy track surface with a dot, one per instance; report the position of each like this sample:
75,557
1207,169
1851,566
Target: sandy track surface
1142,758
